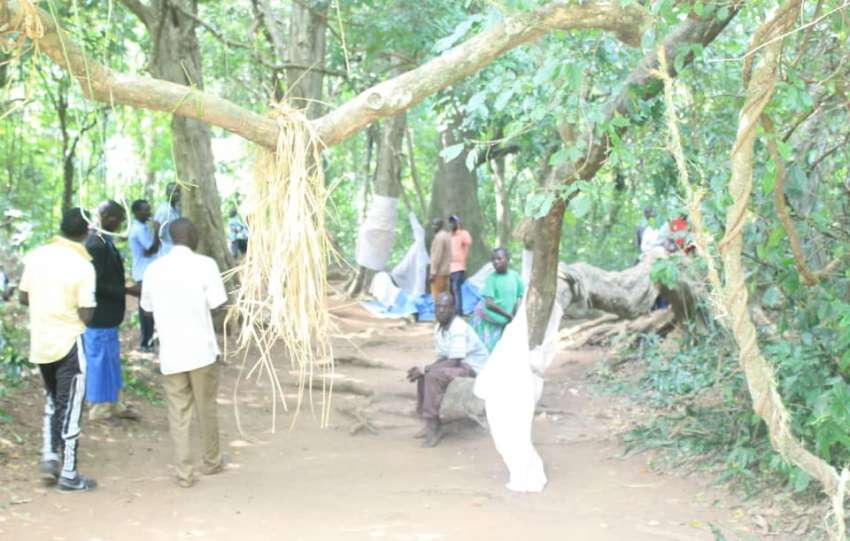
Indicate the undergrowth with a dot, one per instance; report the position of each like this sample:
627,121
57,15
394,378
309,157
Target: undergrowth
138,385
13,362
702,418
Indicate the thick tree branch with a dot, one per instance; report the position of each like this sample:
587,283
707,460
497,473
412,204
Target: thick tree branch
408,89
144,12
494,152
100,83
642,85
809,276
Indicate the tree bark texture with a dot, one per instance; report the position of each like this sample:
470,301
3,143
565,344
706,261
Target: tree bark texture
546,238
504,222
177,59
306,46
385,99
455,191
639,85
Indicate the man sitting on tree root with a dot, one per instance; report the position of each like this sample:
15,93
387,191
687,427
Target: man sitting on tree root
460,353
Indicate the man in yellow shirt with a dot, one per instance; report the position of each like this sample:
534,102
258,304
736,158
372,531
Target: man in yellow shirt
58,285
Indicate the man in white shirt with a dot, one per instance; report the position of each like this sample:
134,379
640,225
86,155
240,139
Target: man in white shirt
460,354
166,213
180,289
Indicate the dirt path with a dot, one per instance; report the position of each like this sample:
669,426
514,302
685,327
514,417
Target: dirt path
312,484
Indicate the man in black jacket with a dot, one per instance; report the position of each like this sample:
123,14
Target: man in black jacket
102,346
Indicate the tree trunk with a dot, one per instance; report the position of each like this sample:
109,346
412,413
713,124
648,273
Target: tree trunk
455,191
67,181
504,225
148,150
61,104
177,58
387,179
307,29
543,284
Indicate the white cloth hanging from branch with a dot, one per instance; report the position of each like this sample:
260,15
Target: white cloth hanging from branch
377,233
412,271
510,384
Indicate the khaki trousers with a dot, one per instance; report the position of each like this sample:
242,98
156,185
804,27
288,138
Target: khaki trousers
184,390
439,284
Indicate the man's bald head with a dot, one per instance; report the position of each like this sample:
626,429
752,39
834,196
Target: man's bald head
112,215
184,233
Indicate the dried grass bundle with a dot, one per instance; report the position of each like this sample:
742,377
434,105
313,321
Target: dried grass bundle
25,25
282,277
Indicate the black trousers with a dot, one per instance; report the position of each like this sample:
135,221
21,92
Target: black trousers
457,279
64,391
146,324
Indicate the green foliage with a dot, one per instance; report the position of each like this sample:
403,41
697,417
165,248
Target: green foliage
13,337
665,272
136,384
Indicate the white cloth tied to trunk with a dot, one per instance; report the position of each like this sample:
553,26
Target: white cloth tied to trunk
510,384
377,233
383,289
412,271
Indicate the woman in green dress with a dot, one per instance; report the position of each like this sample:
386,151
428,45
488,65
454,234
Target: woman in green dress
502,292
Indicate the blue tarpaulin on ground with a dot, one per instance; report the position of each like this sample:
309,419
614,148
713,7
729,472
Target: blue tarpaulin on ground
471,296
403,306
425,304
425,308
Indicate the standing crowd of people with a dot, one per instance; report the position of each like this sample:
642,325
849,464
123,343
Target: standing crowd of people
75,316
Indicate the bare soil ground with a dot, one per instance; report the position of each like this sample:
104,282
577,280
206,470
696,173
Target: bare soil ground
309,483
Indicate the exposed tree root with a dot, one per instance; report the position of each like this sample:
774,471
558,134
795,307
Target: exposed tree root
362,422
362,362
341,386
619,333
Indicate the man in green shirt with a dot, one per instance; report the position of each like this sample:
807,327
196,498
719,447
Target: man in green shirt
502,292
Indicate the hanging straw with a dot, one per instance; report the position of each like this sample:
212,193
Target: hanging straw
283,283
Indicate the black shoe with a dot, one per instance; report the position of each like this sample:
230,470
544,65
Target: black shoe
433,433
433,438
49,470
80,483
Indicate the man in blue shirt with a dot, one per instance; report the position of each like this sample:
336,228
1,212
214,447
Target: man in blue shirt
166,213
237,234
144,245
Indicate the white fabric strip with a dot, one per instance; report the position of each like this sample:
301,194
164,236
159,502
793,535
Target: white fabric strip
377,233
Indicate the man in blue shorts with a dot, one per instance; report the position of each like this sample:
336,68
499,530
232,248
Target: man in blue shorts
103,349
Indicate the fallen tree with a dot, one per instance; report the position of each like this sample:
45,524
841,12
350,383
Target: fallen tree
627,297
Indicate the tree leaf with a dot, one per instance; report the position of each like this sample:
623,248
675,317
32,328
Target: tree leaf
472,159
476,101
451,152
580,206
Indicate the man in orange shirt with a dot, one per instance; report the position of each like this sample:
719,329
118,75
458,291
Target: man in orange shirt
461,241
